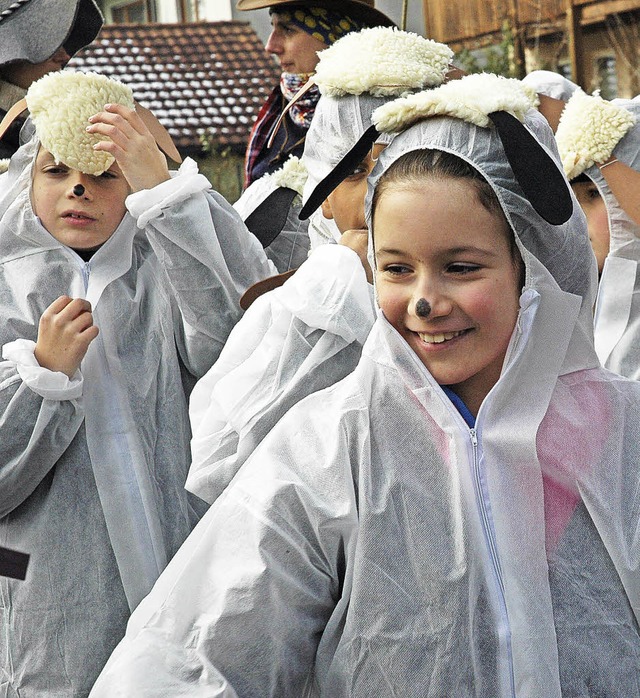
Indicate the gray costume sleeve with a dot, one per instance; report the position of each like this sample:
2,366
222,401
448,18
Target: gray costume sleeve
34,433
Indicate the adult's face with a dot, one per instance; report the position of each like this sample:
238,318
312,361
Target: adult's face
23,73
296,50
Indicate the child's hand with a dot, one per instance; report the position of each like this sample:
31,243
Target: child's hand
65,331
358,241
142,163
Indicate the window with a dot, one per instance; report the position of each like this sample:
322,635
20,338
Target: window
130,13
565,70
606,76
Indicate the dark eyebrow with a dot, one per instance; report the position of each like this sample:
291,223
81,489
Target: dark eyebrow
277,21
470,248
453,251
387,250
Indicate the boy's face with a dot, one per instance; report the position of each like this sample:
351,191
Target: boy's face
435,241
345,204
597,219
81,221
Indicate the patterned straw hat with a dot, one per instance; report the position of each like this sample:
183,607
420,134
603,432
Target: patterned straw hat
362,10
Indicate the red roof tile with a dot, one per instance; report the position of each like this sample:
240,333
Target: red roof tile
204,77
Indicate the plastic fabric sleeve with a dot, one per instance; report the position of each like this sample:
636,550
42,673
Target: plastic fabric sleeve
267,538
148,204
51,385
34,433
208,259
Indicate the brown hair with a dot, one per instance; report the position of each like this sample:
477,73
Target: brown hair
416,165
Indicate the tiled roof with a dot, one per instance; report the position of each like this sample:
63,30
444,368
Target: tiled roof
198,78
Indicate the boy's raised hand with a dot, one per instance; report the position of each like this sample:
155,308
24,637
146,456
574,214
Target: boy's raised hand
65,331
142,163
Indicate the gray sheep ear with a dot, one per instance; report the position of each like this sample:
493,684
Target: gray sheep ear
342,170
267,220
537,173
159,132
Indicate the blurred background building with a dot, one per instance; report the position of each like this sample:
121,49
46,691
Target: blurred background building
201,67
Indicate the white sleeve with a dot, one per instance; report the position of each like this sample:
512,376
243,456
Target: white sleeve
53,385
252,589
209,256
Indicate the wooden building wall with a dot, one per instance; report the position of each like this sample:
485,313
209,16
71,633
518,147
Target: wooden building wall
575,35
452,22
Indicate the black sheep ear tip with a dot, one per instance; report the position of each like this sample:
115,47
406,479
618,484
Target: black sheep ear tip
560,214
342,170
267,220
309,207
537,173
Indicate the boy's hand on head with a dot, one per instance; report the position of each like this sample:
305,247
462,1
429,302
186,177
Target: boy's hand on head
358,241
142,163
65,331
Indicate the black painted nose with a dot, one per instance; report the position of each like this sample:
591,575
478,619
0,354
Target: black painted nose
78,190
423,308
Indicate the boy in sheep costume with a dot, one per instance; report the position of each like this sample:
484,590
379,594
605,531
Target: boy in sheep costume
309,333
119,283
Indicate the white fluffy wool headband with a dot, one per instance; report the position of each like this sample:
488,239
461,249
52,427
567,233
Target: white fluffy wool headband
292,175
472,99
60,105
382,61
484,101
589,130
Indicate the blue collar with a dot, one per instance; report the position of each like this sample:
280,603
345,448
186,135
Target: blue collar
460,406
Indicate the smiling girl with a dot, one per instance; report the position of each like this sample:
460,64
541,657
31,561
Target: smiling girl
453,299
458,516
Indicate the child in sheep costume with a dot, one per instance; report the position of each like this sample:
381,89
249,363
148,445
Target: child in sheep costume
309,333
94,434
600,140
385,539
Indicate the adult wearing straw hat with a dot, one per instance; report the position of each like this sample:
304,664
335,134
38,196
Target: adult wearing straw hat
38,37
300,29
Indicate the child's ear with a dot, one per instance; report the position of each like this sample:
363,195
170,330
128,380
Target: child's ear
327,212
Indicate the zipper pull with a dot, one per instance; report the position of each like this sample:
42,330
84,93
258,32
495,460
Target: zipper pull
86,272
474,436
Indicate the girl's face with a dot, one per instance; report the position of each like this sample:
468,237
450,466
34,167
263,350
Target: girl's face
597,219
80,221
436,242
